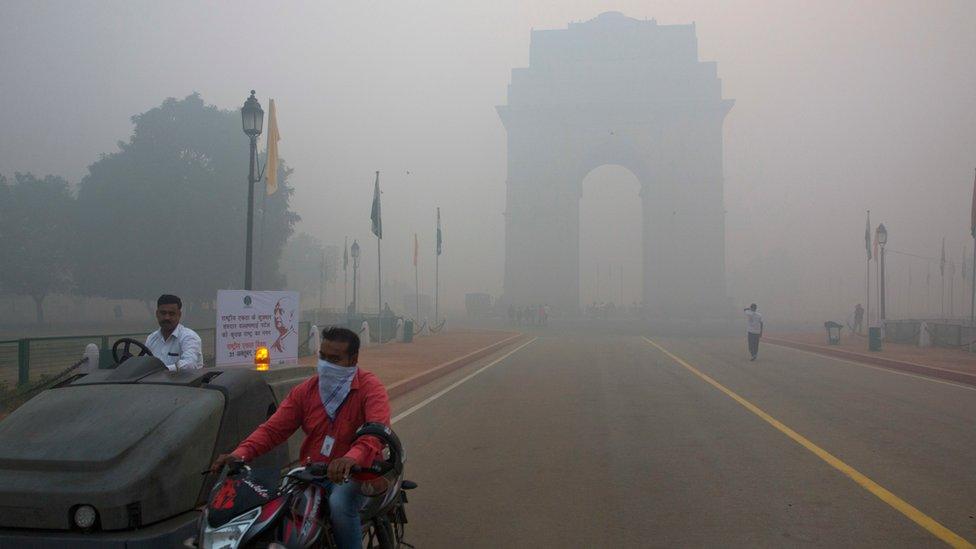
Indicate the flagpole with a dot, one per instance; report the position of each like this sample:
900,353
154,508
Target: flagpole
867,245
416,274
952,283
437,287
379,276
379,263
942,276
972,276
345,277
437,269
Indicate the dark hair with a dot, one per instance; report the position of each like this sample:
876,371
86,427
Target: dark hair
342,335
169,299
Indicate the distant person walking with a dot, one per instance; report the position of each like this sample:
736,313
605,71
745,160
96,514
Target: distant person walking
755,329
858,318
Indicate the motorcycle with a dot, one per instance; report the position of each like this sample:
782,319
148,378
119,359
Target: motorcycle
244,511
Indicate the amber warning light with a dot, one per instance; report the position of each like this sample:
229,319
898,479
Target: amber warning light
262,359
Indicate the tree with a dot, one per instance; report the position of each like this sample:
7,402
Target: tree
308,265
166,213
36,223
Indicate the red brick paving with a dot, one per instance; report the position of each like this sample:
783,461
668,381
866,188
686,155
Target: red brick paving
395,362
959,360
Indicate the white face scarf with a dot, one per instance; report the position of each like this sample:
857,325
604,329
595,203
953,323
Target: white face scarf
334,384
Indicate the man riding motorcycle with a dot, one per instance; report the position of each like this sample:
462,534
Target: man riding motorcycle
329,407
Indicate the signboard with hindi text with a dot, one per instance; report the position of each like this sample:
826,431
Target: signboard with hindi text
247,320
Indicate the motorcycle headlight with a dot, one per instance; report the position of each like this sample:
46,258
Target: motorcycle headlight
229,535
85,516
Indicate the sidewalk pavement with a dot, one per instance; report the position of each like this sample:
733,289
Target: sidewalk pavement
941,362
403,367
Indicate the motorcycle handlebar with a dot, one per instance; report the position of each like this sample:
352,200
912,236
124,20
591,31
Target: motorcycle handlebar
319,470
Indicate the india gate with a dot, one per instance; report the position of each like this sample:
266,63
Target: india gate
617,90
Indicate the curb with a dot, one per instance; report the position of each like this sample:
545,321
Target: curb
891,364
416,381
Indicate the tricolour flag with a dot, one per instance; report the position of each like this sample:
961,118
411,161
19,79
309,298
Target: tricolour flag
867,235
271,162
375,215
416,249
439,241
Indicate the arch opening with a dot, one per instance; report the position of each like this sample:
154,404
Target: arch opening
610,239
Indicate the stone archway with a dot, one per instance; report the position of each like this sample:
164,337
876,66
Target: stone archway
617,90
610,238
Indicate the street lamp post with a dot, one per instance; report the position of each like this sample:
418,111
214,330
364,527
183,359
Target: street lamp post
882,240
252,119
354,252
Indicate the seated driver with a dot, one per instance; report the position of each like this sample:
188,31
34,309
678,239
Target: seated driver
329,407
176,345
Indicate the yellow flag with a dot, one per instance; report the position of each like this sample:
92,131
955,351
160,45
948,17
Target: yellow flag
271,164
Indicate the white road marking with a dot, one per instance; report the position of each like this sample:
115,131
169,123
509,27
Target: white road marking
873,367
454,385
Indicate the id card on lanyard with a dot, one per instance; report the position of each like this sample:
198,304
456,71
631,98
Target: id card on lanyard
330,433
327,445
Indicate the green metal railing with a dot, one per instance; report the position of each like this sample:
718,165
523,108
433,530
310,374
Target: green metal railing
26,360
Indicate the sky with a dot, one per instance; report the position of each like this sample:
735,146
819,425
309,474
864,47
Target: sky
840,107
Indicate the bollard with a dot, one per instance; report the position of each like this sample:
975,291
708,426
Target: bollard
364,335
314,339
91,353
874,338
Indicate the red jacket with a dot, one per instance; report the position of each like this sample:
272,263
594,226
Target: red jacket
367,402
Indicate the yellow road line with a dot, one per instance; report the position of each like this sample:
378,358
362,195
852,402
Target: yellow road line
902,506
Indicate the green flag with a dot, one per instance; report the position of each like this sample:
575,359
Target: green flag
867,235
439,241
375,215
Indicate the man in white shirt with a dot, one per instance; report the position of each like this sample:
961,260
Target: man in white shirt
755,330
176,345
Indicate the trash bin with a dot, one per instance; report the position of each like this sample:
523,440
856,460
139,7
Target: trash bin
874,338
833,332
407,331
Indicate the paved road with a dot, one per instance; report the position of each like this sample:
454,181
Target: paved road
606,441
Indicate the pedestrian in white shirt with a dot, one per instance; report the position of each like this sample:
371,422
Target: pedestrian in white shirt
755,329
176,345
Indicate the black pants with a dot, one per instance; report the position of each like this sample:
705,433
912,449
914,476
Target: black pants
753,344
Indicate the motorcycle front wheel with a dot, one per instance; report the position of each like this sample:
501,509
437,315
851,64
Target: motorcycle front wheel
383,536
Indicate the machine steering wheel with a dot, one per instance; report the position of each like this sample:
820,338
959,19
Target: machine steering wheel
124,344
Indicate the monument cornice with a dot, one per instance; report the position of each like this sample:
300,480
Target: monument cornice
629,112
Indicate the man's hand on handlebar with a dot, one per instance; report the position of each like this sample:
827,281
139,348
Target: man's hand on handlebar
340,469
223,459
